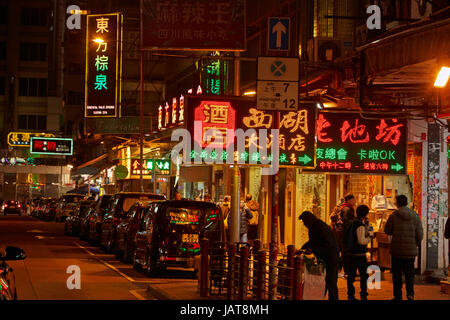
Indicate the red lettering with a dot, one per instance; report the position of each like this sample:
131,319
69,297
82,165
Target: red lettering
358,131
322,123
391,134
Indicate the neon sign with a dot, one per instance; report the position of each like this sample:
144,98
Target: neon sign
22,139
53,146
296,141
349,143
103,65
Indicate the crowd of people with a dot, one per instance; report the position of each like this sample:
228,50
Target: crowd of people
343,245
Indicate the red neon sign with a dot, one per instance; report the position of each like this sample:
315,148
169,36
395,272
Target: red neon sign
216,118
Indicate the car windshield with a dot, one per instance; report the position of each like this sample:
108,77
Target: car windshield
129,200
72,198
184,216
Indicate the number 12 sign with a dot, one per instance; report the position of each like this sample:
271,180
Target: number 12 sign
277,85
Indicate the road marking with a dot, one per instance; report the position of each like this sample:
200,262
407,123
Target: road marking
106,263
111,266
137,295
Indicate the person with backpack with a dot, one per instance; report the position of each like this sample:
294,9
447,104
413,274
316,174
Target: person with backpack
341,218
355,241
405,231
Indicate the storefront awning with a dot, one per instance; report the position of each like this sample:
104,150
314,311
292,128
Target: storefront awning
421,42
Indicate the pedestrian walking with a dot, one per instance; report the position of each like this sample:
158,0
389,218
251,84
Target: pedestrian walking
245,216
324,246
406,233
355,241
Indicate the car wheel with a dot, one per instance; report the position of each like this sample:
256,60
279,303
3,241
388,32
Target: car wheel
152,268
136,265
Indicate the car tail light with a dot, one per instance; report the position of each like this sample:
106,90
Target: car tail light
6,206
19,206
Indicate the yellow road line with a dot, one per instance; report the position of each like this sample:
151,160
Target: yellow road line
106,263
137,295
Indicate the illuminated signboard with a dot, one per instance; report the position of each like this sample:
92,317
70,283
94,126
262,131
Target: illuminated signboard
157,166
52,146
198,25
103,65
350,143
22,139
172,114
214,76
229,114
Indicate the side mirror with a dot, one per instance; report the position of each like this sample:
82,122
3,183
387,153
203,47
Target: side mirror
13,253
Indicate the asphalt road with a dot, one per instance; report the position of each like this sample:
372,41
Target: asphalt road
43,274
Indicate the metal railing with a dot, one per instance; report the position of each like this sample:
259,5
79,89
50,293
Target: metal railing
239,271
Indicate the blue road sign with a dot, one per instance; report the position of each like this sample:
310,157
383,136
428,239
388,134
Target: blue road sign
278,33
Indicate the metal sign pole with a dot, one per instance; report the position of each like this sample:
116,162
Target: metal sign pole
235,197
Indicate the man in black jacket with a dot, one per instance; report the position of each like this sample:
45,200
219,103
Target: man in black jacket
356,239
324,246
405,228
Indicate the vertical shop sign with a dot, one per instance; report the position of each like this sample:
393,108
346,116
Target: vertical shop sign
214,76
350,143
195,24
433,182
103,65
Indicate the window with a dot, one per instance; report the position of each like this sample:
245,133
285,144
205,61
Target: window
32,122
32,87
33,51
34,16
2,86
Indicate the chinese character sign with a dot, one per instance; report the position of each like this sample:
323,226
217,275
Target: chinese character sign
214,76
350,143
227,121
194,24
22,139
103,65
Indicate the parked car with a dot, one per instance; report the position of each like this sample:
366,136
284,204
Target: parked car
49,211
121,203
85,221
67,204
169,234
95,222
8,290
12,206
72,223
127,229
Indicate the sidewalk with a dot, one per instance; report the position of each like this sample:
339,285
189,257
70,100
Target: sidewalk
187,289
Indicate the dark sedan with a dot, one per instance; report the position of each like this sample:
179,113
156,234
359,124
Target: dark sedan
72,225
126,232
170,232
121,203
12,206
8,290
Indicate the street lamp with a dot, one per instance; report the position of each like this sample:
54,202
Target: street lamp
442,77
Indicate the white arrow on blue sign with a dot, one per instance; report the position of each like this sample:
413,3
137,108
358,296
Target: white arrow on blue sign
278,33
